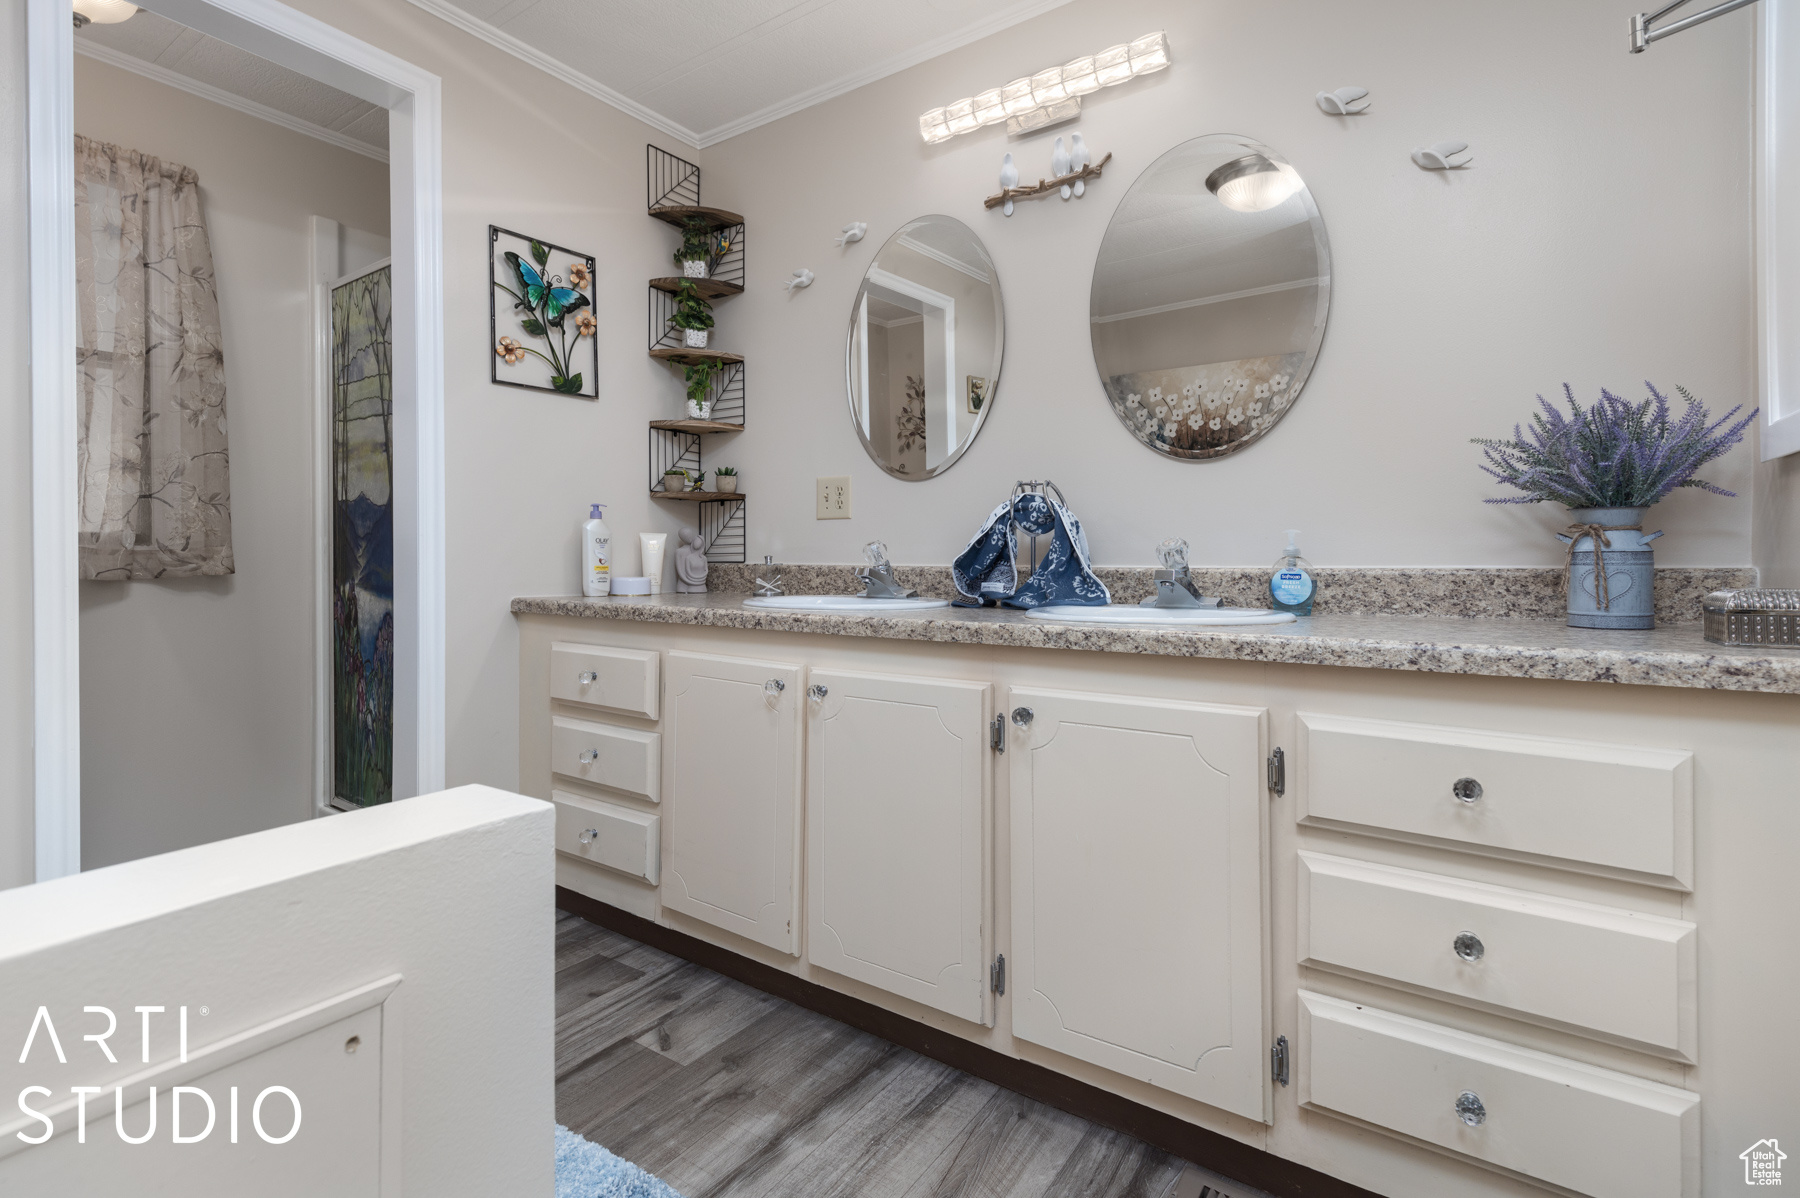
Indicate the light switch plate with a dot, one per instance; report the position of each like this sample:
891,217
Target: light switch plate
834,497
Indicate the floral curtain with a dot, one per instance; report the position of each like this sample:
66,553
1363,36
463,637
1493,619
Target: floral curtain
153,469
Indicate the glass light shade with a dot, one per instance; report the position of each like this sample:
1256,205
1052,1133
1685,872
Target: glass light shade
960,116
1016,97
1112,65
1039,118
1047,87
1149,53
988,108
106,12
1253,183
933,127
1078,76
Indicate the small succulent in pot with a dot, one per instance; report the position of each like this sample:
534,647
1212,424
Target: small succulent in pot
675,479
1608,463
725,480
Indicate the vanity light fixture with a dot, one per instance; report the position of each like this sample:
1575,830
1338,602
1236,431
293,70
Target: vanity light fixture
1253,183
103,12
1053,94
1642,35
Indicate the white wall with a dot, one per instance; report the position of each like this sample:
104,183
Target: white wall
196,693
16,789
1602,236
1777,527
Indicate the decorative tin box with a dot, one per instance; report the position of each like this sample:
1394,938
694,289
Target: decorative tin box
1753,618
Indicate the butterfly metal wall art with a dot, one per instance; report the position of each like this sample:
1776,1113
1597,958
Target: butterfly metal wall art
541,315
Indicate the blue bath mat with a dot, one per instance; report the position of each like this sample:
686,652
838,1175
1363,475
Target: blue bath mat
586,1170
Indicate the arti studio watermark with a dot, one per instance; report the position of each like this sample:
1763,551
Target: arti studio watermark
44,1107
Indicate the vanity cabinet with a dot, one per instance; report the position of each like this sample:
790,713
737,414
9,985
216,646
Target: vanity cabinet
1138,895
897,846
731,825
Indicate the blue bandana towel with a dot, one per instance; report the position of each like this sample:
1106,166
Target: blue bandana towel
985,570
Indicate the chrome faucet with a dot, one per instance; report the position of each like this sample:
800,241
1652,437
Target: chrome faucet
1175,587
878,576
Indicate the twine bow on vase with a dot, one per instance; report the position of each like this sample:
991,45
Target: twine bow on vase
1596,534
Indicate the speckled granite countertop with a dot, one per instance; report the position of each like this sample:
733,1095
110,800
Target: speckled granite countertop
1675,655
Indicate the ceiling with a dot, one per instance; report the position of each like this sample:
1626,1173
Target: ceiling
706,70
171,53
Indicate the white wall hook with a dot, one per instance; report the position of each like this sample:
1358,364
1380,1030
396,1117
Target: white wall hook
1009,177
802,278
853,232
1444,156
1345,101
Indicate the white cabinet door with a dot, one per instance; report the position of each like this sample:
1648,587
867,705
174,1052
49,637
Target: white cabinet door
1138,846
896,835
731,795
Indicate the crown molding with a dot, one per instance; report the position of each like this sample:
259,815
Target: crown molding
1007,17
207,91
936,255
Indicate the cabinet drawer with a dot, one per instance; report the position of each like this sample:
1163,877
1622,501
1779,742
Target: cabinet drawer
1605,969
1588,1129
627,680
1621,808
619,758
608,834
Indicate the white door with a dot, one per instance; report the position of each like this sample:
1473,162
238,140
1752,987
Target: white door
897,802
1138,846
731,795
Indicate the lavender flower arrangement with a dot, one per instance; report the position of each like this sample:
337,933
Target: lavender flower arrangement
1613,454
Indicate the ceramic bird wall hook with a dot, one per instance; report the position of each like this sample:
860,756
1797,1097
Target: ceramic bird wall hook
1009,177
802,278
1059,166
1079,158
853,232
1443,156
1345,101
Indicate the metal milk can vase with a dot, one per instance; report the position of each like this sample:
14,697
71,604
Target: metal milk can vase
1611,569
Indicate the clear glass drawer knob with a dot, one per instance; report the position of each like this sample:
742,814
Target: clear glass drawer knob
1469,1108
1022,716
1466,789
588,756
1468,946
817,693
589,836
588,678
773,687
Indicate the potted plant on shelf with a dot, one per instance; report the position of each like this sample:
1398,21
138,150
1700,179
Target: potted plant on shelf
675,479
697,242
700,400
693,315
725,480
1608,464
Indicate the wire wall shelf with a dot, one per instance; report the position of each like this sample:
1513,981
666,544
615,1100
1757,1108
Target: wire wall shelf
672,195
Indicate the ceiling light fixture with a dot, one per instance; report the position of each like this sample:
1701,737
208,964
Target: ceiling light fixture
1042,99
103,12
1253,183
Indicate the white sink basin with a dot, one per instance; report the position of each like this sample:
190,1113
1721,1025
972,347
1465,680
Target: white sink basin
841,603
1122,613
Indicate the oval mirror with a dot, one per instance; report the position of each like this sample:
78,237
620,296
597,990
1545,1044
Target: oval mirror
923,355
1209,299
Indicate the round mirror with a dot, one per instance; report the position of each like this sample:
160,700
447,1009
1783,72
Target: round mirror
1209,298
923,358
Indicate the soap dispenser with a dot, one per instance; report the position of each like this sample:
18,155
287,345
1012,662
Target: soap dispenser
1291,585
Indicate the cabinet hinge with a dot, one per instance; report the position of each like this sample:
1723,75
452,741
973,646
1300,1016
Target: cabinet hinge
1278,1060
997,734
1278,772
997,975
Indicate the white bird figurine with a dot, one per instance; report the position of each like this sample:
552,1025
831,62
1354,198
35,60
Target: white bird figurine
853,232
1078,160
802,278
1059,165
1443,156
1009,177
1343,101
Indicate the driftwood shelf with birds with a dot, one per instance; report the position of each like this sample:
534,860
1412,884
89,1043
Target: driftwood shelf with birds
1044,187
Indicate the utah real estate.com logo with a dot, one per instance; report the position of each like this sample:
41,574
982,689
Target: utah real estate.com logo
1762,1163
